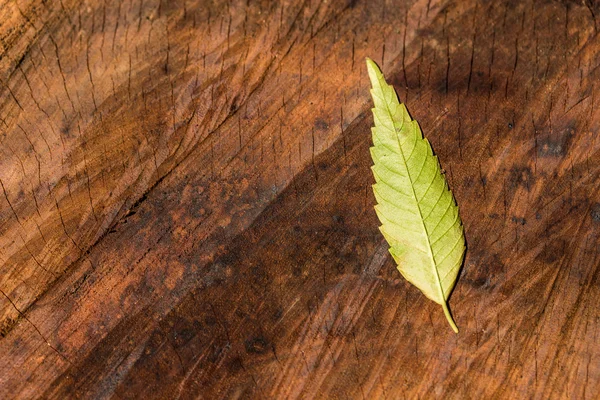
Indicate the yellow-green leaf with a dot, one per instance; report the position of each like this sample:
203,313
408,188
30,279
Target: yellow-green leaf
418,214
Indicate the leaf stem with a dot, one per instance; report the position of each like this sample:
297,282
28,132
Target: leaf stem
449,317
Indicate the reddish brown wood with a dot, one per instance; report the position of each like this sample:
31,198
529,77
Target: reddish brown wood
186,207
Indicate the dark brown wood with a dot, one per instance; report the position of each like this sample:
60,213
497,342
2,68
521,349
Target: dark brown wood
186,207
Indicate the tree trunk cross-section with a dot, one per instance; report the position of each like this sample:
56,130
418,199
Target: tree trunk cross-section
186,206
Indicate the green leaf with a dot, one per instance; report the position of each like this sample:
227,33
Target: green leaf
418,214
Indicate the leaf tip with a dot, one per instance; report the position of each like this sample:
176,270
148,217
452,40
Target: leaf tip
375,74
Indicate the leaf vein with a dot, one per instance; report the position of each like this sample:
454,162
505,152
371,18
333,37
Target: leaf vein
435,204
421,171
391,170
443,234
428,187
450,252
442,217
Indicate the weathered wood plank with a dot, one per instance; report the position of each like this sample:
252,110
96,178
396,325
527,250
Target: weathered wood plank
187,211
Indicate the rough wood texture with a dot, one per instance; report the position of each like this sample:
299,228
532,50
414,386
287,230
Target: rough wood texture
186,207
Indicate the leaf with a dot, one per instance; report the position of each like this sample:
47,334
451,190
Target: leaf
418,214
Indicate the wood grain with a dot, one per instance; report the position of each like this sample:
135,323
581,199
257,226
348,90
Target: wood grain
186,207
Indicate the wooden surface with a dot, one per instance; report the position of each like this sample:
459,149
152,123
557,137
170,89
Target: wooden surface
186,211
